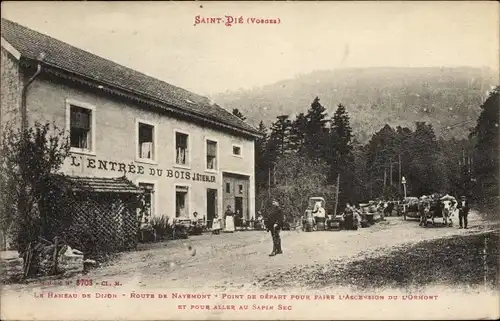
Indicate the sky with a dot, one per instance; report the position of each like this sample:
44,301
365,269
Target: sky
161,39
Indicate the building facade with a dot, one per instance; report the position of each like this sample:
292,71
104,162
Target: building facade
189,154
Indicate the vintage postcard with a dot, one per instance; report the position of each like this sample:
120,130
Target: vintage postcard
249,160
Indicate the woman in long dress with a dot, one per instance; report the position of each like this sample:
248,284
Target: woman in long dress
229,219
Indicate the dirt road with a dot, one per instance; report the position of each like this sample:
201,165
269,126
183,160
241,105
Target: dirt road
240,260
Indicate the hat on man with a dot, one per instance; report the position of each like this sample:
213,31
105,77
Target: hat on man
463,197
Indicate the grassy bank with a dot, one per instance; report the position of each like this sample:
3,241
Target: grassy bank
454,261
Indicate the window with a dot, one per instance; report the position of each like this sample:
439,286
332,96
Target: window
181,149
240,189
146,141
236,150
81,128
228,187
211,155
148,204
181,201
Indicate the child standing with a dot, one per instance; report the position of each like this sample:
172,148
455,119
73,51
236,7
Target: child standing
216,225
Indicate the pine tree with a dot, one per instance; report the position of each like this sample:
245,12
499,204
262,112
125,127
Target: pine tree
486,149
261,159
237,113
341,159
298,133
423,176
316,132
382,152
279,140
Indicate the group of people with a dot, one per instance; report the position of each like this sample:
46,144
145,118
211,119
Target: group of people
229,221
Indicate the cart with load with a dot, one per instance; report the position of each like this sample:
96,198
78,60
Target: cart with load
315,217
409,208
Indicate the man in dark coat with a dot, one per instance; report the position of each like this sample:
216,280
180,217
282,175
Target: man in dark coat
274,224
463,211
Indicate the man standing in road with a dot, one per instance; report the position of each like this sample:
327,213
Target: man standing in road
463,211
275,224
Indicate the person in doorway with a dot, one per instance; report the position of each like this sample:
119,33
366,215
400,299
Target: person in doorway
463,211
216,225
238,222
274,225
229,219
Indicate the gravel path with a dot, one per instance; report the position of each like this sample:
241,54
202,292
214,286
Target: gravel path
240,260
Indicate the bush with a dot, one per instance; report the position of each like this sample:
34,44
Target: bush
161,224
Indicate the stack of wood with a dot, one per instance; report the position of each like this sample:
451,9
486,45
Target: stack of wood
46,258
11,265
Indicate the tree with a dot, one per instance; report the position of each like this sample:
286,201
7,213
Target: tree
316,132
361,178
29,157
403,141
238,114
486,150
382,156
341,158
449,164
300,177
261,159
298,133
423,176
279,140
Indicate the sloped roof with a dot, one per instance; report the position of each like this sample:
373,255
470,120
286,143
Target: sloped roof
31,44
96,184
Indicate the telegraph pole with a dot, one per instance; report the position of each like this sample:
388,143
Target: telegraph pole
403,181
399,185
337,195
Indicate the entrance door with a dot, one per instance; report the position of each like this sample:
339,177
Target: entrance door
211,205
181,202
238,204
238,208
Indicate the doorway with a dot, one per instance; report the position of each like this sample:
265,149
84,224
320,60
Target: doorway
211,206
238,204
238,211
181,202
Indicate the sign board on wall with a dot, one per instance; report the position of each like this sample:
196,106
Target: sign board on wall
133,168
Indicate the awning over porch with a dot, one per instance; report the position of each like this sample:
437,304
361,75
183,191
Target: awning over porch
97,184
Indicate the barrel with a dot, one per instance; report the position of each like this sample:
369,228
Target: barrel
320,223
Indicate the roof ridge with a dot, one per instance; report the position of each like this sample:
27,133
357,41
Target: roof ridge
100,57
87,64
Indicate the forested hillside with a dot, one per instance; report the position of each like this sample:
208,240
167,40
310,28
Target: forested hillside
373,97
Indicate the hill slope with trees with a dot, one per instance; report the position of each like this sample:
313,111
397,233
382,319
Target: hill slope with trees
373,97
